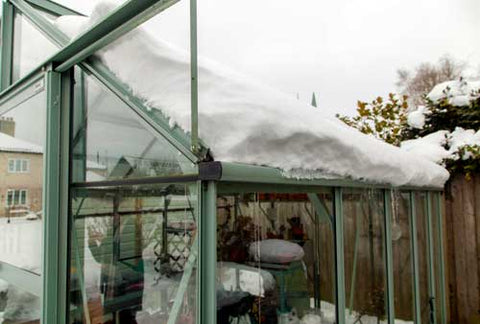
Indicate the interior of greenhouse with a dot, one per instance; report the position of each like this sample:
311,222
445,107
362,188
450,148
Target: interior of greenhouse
130,194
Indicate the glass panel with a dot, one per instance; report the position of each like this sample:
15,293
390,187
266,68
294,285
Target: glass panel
128,254
436,252
24,165
16,196
30,47
275,258
112,142
21,226
18,306
364,256
423,261
46,14
11,165
18,165
23,197
402,258
159,75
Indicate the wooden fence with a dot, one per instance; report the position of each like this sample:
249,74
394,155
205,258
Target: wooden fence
462,214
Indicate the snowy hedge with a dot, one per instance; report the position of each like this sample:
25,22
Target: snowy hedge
447,129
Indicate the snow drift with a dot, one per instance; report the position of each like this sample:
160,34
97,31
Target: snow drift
244,121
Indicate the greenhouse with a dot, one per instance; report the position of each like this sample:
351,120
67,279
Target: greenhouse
144,185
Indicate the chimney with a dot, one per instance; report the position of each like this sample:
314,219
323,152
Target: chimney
7,126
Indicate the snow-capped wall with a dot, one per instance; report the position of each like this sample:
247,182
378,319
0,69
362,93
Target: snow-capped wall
244,121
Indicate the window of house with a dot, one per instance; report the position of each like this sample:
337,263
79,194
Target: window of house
16,197
18,165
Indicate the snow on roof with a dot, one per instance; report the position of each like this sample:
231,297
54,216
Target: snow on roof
92,176
244,121
458,93
91,165
12,144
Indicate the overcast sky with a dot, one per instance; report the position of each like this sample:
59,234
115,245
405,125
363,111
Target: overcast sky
344,50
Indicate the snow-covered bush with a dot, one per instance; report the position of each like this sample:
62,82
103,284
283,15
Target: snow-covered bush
446,130
450,134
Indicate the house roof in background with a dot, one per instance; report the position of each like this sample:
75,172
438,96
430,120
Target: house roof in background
11,144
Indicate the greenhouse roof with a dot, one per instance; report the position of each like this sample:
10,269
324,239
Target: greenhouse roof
244,121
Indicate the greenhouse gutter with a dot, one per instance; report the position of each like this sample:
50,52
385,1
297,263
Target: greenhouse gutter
238,172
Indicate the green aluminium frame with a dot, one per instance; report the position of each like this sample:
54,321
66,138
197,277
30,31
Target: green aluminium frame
55,77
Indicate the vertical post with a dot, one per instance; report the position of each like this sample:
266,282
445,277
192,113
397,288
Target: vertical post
63,263
79,128
339,257
6,51
441,259
194,75
55,201
388,253
431,261
207,295
414,253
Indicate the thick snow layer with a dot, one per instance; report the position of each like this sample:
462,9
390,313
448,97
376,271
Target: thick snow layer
431,147
416,118
12,144
244,121
443,145
458,93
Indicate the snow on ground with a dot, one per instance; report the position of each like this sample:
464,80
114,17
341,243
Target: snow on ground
21,243
443,144
21,246
244,121
458,93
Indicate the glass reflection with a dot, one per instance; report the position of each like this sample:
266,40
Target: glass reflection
17,305
402,258
423,255
30,47
437,233
275,258
130,247
363,218
111,142
22,139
